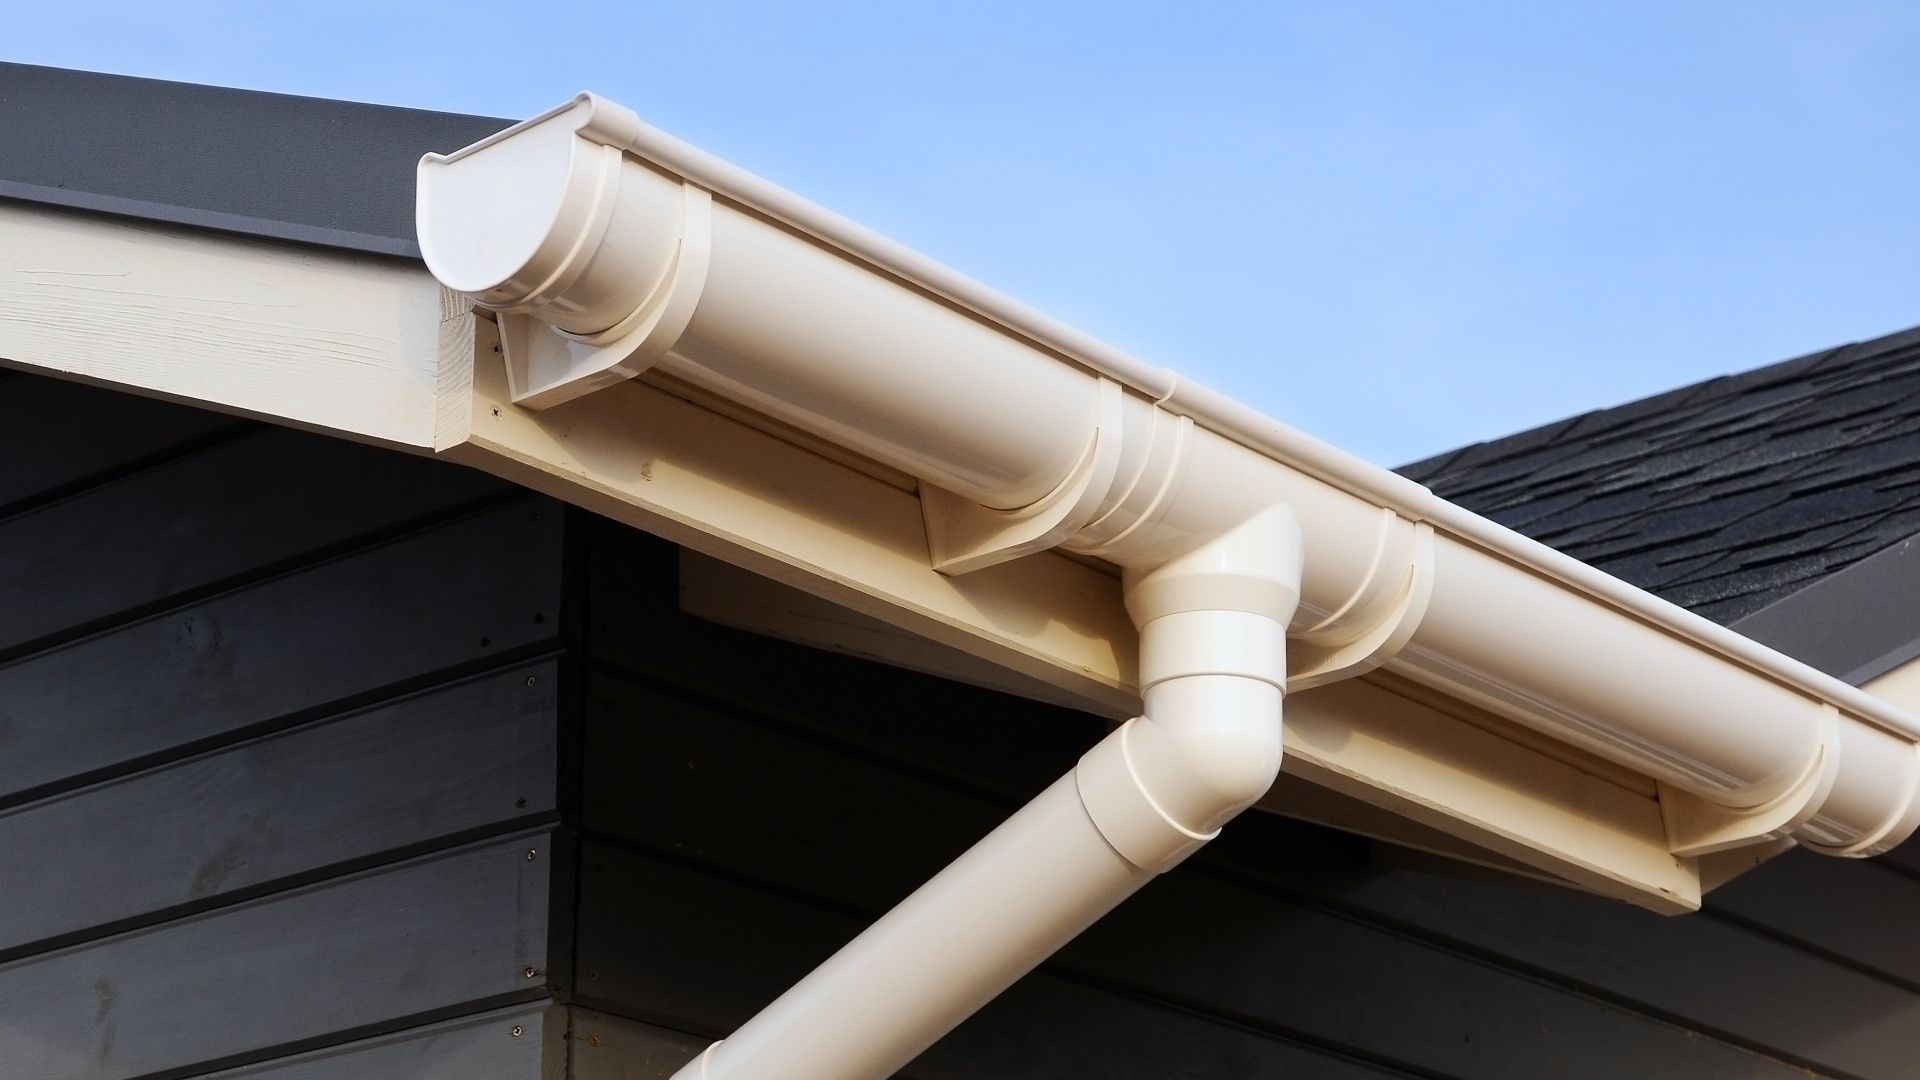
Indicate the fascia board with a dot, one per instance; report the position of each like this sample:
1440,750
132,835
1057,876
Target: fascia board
341,342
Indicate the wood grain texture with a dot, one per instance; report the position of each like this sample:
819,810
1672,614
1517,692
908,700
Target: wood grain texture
321,339
449,761
456,594
195,522
58,436
480,1047
459,928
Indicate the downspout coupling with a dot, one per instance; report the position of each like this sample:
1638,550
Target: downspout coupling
1254,559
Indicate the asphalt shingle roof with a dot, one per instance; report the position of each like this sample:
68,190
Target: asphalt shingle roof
1723,496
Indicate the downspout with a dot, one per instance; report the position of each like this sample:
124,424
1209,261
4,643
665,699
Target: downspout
1213,625
1254,559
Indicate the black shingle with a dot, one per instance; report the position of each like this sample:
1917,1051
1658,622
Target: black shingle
1722,496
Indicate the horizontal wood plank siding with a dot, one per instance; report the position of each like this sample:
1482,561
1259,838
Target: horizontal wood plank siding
760,801
453,595
436,765
62,436
608,1047
283,496
445,932
283,729
1859,912
519,1043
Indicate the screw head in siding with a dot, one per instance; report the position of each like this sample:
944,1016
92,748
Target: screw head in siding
533,973
532,854
518,1031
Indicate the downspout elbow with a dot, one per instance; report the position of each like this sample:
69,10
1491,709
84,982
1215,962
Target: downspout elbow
1213,624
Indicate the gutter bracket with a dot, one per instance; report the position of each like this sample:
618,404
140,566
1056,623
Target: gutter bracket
1697,826
547,366
1315,664
963,536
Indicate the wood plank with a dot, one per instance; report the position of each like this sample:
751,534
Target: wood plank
705,785
318,339
480,1047
1906,857
296,646
440,763
196,522
609,1047
1045,1026
1704,972
723,593
1856,910
440,933
669,944
58,436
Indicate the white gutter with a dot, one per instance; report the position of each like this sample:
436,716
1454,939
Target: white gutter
609,248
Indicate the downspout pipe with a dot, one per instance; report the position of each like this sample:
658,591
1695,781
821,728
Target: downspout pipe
1139,802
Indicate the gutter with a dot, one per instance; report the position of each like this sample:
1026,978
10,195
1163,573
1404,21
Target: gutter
1254,559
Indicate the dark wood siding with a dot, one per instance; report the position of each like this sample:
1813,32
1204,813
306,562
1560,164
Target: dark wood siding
749,805
282,721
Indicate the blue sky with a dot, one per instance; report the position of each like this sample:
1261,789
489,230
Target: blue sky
1400,226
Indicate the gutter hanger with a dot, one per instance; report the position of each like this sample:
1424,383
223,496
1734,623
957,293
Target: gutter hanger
1254,559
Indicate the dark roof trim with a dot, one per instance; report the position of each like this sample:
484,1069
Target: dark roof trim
263,228
1857,624
334,173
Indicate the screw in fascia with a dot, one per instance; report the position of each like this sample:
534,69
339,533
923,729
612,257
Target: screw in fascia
533,973
532,854
518,1031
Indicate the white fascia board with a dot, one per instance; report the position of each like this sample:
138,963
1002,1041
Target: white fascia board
355,345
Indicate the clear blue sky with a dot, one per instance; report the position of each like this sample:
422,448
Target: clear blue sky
1399,226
